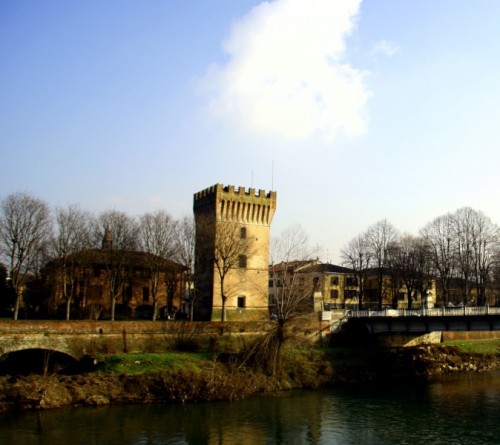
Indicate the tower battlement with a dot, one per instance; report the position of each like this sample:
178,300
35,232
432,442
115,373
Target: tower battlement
236,204
231,190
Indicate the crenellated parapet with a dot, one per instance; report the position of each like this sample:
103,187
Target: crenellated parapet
240,205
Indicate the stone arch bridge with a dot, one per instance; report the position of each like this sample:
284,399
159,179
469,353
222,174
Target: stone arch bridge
78,339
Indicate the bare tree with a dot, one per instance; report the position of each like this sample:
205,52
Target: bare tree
72,237
292,244
358,256
464,245
464,220
185,255
25,227
119,233
411,257
485,242
222,249
379,237
157,240
231,250
440,236
291,301
289,250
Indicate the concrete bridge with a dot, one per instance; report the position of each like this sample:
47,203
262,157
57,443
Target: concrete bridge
408,327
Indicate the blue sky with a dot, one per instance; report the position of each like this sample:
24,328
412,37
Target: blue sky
367,109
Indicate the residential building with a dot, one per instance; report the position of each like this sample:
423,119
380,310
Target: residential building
87,278
394,292
282,279
332,286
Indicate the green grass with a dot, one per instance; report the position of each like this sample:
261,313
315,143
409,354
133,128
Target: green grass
133,364
487,347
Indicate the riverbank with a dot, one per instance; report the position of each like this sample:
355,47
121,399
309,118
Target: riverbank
190,377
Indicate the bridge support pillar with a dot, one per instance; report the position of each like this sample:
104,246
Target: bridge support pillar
402,339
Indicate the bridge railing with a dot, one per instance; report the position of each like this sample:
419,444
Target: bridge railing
437,312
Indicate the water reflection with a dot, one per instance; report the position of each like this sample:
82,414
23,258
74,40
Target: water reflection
459,411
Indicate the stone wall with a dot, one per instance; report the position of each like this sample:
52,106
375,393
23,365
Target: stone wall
80,338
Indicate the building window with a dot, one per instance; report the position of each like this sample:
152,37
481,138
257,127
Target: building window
271,283
242,261
127,293
145,294
350,294
316,284
351,281
241,302
334,281
334,294
243,232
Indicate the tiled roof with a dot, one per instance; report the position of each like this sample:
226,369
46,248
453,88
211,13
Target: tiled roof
326,268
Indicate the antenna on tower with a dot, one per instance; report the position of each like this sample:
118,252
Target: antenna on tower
272,176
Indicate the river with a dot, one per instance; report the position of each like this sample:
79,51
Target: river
461,410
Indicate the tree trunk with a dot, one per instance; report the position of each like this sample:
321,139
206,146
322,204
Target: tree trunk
380,281
223,315
16,306
191,309
223,298
155,308
68,307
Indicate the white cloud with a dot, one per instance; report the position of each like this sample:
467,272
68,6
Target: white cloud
385,48
288,73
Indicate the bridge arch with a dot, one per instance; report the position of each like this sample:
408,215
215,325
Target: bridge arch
35,360
46,343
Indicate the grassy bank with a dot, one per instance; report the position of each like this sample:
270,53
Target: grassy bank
325,361
300,367
485,347
160,378
136,364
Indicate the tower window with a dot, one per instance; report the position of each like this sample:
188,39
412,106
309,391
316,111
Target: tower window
242,260
243,233
241,301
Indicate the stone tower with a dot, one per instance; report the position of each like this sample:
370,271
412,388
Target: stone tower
246,283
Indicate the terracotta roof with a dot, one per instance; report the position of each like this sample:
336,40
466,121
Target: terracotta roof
326,268
133,258
289,265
